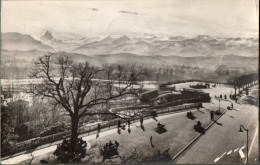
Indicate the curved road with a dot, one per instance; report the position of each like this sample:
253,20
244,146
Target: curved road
223,143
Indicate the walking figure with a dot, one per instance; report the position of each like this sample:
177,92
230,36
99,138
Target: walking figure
141,120
119,123
110,144
211,115
99,127
116,143
151,141
128,121
199,123
232,105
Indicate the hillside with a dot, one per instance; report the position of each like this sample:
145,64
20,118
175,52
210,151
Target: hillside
26,59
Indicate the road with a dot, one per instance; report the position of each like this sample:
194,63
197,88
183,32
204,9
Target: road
224,143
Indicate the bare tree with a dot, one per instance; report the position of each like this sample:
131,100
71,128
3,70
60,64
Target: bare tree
76,87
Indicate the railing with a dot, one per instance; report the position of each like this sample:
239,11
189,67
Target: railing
29,144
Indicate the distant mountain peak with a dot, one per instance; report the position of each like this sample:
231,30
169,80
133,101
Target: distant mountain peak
22,42
47,36
124,38
148,35
203,37
107,39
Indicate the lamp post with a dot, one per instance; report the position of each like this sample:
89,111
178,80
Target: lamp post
241,130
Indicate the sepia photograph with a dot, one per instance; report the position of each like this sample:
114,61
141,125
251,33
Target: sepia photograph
129,82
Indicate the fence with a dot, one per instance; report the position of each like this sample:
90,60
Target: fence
32,143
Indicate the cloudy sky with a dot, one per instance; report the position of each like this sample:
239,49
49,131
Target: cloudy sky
224,18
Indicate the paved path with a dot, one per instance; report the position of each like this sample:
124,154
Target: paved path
28,155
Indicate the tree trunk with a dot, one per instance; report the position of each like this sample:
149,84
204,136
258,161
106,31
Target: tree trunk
74,131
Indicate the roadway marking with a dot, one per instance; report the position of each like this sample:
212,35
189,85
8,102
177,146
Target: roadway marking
217,159
229,152
242,147
236,150
241,153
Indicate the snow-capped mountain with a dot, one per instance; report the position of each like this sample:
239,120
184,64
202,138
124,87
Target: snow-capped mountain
147,44
22,42
176,45
47,36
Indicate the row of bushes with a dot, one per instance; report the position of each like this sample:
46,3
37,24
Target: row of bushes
54,129
198,99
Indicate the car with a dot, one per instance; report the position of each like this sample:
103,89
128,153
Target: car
199,129
190,115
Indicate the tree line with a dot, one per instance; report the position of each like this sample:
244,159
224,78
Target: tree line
243,82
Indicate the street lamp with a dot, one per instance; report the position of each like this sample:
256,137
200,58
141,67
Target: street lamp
241,130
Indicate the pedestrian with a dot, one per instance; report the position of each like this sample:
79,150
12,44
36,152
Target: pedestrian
232,105
99,127
151,140
110,144
199,123
128,122
118,131
106,146
211,115
116,143
129,130
118,123
141,120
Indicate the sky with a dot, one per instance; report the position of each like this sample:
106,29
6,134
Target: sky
222,18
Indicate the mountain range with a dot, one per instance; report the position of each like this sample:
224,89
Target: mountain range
139,45
22,42
19,51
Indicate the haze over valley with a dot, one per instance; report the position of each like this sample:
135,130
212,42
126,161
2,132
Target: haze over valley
147,50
